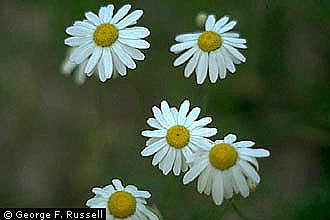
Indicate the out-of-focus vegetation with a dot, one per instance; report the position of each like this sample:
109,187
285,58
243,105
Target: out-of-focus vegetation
58,140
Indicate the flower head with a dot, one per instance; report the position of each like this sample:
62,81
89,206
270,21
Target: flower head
178,134
212,51
226,167
122,202
107,42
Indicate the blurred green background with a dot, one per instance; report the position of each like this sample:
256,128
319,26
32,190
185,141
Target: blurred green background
58,140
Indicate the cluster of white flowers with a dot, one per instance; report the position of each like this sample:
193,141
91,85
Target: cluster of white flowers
179,141
107,44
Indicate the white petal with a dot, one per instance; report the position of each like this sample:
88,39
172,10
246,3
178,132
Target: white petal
200,123
79,31
201,143
159,117
217,188
205,132
109,188
230,34
96,202
240,181
254,152
154,133
153,148
77,41
230,138
175,114
100,192
101,71
93,60
142,194
134,33
184,165
107,62
93,18
213,67
241,46
129,19
192,63
194,171
85,24
185,56
117,184
202,179
167,114
202,67
227,27
139,44
227,184
251,160
124,58
221,23
108,14
154,123
235,52
177,163
187,37
132,52
209,183
227,59
221,64
235,40
152,140
122,12
210,21
244,144
187,153
249,171
146,212
81,53
192,116
102,14
159,155
184,108
169,160
119,66
177,48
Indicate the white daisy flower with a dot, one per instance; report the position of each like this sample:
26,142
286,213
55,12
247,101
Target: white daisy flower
225,168
122,202
212,51
178,134
107,41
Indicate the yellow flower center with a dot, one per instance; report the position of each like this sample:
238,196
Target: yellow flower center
209,41
105,35
122,204
177,136
223,156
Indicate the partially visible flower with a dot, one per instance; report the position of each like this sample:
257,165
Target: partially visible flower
200,19
225,168
107,42
176,136
212,51
122,202
68,67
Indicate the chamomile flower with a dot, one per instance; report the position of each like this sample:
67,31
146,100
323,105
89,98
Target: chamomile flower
212,51
107,42
178,134
122,202
225,168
